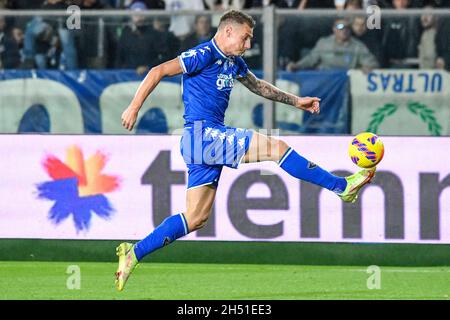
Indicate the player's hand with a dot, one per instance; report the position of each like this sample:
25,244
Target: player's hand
310,104
129,117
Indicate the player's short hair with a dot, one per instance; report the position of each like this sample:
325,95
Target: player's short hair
236,17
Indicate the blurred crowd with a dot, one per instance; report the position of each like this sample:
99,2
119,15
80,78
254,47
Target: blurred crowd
304,42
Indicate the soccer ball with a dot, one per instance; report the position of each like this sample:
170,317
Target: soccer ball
366,150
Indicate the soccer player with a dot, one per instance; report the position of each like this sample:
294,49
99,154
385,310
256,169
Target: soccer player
209,71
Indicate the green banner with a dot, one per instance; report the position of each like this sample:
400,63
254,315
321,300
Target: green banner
401,102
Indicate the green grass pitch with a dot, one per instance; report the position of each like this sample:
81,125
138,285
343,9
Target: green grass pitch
182,281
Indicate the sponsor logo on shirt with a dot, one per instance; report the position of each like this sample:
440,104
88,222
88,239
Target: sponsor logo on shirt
224,81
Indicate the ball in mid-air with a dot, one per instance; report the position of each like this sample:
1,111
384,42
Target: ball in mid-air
366,150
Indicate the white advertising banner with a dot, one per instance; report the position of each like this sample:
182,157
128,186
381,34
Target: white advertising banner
121,187
401,102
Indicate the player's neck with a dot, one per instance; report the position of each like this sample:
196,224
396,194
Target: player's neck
220,44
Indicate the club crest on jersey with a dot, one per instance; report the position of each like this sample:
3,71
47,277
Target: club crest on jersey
228,64
224,81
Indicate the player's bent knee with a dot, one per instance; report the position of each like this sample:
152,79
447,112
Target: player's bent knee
283,147
278,148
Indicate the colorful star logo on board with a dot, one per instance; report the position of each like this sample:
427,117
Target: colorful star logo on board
78,187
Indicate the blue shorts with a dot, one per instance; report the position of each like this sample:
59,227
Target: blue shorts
207,147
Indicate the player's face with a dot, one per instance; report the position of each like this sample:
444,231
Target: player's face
240,37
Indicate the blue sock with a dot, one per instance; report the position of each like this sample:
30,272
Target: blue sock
299,167
169,230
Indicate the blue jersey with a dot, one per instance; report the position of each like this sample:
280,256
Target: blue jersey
208,77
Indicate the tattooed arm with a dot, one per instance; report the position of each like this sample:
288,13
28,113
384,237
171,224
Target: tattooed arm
269,91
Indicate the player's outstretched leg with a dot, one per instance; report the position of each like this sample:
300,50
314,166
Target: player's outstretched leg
199,204
264,148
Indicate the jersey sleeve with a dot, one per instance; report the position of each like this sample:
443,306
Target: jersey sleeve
195,60
243,69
